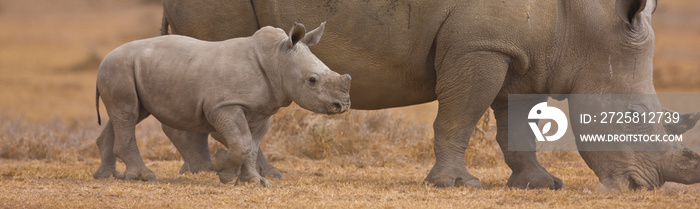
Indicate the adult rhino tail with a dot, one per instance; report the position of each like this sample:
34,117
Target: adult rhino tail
97,105
164,25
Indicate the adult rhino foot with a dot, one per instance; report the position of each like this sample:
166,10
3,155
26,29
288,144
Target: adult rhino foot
258,180
270,171
449,177
143,174
106,172
196,167
534,178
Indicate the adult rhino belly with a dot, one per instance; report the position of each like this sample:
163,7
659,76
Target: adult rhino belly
386,46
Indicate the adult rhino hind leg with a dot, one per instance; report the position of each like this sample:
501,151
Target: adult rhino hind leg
466,86
193,147
526,170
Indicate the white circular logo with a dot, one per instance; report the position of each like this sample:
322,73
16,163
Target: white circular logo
542,111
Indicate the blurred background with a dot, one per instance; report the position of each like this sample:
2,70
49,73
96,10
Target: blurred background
50,51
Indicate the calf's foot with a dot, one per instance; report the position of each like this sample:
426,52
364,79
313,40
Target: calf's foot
270,171
253,179
226,172
264,167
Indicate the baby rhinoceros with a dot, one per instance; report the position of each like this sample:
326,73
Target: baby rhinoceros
229,88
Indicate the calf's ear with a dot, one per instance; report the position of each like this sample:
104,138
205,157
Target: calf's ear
296,34
628,10
314,36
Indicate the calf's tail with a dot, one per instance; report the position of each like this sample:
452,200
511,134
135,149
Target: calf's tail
97,105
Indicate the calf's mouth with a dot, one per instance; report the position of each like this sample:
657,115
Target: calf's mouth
338,107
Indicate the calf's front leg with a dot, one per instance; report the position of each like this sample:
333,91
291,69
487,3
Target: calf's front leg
233,129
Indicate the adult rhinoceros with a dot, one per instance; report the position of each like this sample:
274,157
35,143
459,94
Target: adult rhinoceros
467,55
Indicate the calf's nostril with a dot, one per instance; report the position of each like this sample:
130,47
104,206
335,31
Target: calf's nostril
337,106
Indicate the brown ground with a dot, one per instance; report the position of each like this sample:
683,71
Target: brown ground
49,51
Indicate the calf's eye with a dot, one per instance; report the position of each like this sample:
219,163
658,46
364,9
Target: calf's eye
312,80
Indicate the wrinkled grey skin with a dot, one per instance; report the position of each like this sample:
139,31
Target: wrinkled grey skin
468,55
229,88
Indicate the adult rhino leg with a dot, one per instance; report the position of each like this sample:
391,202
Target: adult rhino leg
193,147
108,161
466,86
526,170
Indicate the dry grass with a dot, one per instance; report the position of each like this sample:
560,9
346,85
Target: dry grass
309,184
361,138
48,57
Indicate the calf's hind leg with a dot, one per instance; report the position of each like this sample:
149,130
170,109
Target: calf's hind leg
105,142
125,146
125,111
193,147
